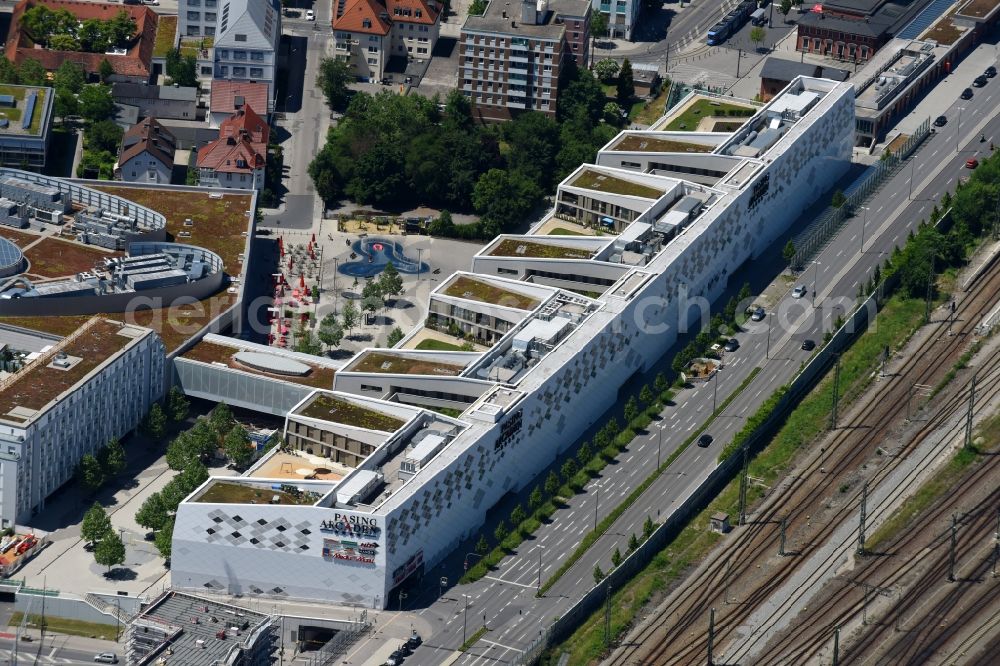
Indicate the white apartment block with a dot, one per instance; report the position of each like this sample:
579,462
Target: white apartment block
87,389
622,15
367,33
246,43
197,18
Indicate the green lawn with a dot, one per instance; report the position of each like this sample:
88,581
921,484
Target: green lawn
652,110
704,108
562,231
60,625
600,182
166,32
437,345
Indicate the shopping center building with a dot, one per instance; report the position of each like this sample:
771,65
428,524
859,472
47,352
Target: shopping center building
382,477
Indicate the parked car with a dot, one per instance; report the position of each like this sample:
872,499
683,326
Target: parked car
990,72
808,345
310,15
414,640
940,121
967,93
799,291
971,163
758,314
264,232
705,441
980,81
732,344
106,658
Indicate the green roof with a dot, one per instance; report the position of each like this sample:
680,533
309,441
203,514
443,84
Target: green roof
600,182
515,247
467,287
331,408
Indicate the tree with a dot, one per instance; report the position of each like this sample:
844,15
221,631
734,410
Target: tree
633,542
626,84
786,6
584,454
308,343
503,199
103,135
181,450
390,283
177,404
96,103
501,532
66,104
96,524
349,315
8,71
660,383
648,527
333,77
612,114
606,69
535,499
89,473
616,557
371,305
581,94
153,513
330,332
193,475
551,484
598,574
113,458
789,252
110,550
70,76
164,538
631,409
395,335
105,70
517,516
237,447
372,289
482,546
838,199
646,395
31,73
221,419
155,423
569,470
477,8
598,26
182,69
757,35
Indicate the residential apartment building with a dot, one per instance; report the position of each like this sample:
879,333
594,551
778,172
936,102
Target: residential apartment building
238,157
197,18
147,154
368,33
622,15
512,55
246,43
89,388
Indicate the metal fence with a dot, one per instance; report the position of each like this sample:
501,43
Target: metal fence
725,472
338,645
815,237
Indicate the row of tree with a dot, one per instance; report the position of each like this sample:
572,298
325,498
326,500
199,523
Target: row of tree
101,537
60,30
391,150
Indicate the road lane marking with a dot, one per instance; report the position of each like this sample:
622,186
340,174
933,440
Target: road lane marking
509,582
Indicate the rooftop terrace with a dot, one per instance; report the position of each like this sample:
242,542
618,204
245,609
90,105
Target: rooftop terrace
600,182
220,491
640,143
326,407
210,352
517,247
465,286
299,466
39,384
403,364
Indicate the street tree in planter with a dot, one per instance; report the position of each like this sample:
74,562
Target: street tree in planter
110,551
177,404
96,524
90,473
237,447
112,458
153,514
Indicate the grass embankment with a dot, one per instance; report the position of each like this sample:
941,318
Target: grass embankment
472,639
61,625
591,537
896,323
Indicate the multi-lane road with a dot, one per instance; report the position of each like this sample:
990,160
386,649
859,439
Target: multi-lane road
505,600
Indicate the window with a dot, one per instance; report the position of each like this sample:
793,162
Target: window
194,16
192,31
210,30
256,72
211,4
223,54
372,38
372,61
506,271
210,16
371,387
257,56
239,55
224,70
422,50
194,3
240,38
239,71
366,23
372,49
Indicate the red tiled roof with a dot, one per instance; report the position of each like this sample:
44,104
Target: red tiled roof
224,94
242,140
136,63
148,136
357,12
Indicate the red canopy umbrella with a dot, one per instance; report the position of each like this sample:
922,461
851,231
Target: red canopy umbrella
289,263
313,241
302,281
281,246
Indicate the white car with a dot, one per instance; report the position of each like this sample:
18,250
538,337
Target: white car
799,291
150,2
106,658
310,15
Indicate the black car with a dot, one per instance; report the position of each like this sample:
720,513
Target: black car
732,344
704,441
980,81
967,93
264,232
990,72
808,345
940,121
414,641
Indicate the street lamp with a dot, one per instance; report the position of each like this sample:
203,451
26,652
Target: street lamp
864,221
815,277
402,596
465,563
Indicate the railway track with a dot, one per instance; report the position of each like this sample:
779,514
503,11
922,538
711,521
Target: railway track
801,497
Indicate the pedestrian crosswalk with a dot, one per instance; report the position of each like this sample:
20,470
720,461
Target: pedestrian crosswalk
696,74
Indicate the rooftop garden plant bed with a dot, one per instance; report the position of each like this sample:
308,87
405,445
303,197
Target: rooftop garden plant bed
944,32
209,352
166,32
52,257
510,247
331,408
633,142
403,364
19,238
978,8
13,114
477,290
705,108
594,180
229,492
437,345
35,386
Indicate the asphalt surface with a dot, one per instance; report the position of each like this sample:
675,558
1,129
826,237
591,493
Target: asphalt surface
505,600
45,653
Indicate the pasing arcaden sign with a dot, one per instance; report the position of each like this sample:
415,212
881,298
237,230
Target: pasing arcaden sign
361,527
